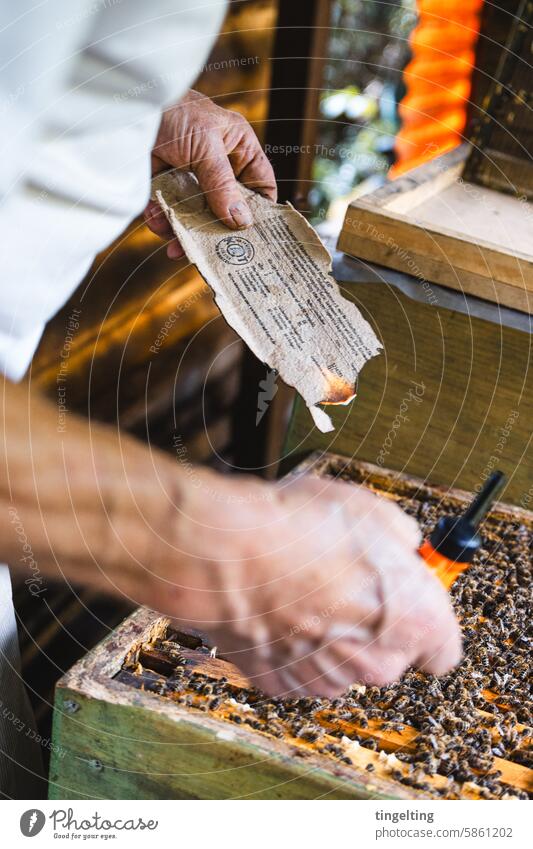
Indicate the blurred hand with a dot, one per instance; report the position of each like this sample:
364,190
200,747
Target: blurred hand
307,586
221,149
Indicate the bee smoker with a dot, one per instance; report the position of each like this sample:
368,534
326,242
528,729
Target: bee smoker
455,539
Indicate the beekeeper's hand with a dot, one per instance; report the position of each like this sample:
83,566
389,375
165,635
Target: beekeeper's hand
222,149
309,585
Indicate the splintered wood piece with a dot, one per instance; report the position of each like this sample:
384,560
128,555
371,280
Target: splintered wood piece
215,667
192,660
157,660
141,680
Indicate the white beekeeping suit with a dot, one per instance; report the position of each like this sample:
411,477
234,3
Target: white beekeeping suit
82,86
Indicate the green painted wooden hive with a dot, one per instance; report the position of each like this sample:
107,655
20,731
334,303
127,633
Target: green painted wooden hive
151,714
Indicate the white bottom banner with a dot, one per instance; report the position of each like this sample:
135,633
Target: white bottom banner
264,825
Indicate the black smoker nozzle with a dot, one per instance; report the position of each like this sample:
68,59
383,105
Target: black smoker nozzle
485,499
456,537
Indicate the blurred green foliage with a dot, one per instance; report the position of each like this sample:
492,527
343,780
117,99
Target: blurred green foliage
368,49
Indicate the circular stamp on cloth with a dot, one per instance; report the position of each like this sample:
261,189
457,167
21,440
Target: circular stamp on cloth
235,250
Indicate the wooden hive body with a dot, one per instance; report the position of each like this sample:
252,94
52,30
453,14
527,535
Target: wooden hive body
464,220
437,225
120,731
475,409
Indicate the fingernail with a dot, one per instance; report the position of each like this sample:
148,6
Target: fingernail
241,214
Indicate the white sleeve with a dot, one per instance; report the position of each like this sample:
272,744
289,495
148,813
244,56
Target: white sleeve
80,120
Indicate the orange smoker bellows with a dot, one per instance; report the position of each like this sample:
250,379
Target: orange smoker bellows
438,81
455,539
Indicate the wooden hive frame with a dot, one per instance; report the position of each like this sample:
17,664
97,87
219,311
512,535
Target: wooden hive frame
113,738
437,226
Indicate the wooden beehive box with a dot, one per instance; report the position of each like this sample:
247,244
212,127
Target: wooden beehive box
436,225
150,714
464,220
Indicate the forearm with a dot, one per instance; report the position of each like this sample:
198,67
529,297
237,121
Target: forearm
313,584
89,502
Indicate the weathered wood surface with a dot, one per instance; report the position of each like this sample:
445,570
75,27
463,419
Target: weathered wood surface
396,227
115,742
